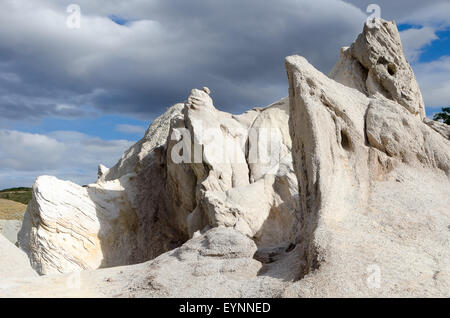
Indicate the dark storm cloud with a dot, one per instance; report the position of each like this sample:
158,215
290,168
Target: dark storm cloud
403,10
237,48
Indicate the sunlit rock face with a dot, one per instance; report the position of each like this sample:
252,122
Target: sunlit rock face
375,65
121,219
373,176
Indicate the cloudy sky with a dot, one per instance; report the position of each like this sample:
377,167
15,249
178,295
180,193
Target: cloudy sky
73,98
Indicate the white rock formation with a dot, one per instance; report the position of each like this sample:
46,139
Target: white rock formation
68,227
148,204
353,199
395,132
230,184
441,128
119,220
374,187
375,65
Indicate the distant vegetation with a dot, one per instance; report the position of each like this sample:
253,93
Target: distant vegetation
21,195
443,116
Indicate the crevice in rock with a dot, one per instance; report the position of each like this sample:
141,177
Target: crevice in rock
382,60
346,141
365,74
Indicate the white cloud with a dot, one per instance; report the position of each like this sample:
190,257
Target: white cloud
434,13
414,41
10,77
65,154
237,48
131,129
21,151
434,81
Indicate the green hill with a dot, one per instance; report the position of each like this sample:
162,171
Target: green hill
21,195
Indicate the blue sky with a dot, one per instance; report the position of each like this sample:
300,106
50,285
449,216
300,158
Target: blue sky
90,93
438,48
106,127
435,50
118,19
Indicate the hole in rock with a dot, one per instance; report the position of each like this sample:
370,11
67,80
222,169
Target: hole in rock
392,69
345,141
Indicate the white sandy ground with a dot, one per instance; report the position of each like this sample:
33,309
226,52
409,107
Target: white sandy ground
10,228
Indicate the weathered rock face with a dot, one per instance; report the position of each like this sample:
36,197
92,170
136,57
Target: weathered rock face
327,137
395,132
68,227
122,219
368,170
221,257
195,168
375,64
232,184
441,128
351,200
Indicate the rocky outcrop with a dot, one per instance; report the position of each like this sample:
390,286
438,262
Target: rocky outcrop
370,173
122,219
340,190
218,263
375,65
439,127
140,156
236,183
327,129
196,168
396,133
68,227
